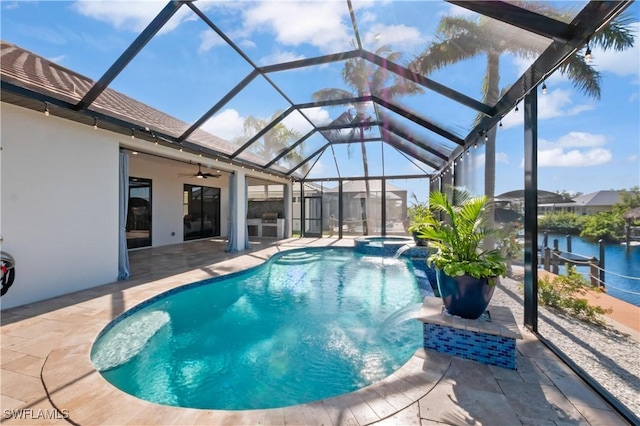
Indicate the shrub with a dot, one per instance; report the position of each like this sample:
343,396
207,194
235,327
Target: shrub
562,222
563,293
608,226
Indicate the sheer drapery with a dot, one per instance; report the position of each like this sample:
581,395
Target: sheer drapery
232,245
244,215
287,210
123,254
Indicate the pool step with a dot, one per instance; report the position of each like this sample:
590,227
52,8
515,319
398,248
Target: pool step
298,258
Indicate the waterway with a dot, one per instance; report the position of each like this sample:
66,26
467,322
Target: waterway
622,266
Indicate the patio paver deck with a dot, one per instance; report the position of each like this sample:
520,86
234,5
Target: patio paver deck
45,365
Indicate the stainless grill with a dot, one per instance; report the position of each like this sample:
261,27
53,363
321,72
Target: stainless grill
269,217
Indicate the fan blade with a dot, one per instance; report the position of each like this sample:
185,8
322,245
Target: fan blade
211,175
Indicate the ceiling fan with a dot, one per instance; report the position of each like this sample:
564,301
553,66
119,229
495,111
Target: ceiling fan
201,175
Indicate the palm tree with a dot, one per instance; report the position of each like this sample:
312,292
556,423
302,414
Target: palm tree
274,141
462,38
365,78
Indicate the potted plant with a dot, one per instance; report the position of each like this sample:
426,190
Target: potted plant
466,272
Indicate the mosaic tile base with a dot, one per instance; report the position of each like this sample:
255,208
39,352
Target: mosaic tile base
491,339
481,347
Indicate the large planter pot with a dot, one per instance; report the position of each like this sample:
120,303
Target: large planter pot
464,296
422,242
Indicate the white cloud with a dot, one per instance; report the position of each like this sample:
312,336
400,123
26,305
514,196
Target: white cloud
367,17
131,16
633,97
575,149
279,56
208,40
318,24
502,157
558,157
395,35
521,64
575,140
625,63
247,44
227,125
632,158
556,103
319,116
57,59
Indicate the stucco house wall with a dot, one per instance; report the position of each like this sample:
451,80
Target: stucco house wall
59,205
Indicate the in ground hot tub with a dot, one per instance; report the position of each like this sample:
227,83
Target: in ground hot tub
381,246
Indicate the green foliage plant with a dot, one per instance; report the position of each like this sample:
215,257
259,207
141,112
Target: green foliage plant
629,199
608,226
419,215
562,222
458,237
563,293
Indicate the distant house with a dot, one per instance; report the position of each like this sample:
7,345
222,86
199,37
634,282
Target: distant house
588,204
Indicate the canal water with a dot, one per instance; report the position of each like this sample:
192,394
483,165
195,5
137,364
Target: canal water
622,266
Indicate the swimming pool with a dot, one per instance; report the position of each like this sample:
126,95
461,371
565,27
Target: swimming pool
306,325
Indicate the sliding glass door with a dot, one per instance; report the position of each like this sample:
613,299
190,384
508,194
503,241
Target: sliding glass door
201,212
139,213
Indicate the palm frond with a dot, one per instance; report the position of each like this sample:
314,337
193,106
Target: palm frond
618,35
584,77
447,52
331,95
355,74
453,26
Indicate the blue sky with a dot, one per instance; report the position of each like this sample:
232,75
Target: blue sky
585,145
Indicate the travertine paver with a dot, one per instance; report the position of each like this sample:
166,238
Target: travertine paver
55,337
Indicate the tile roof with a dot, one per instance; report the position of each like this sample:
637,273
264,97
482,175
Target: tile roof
598,198
30,71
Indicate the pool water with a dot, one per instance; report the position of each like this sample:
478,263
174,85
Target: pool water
288,332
